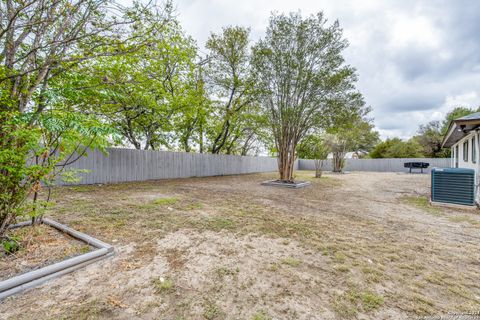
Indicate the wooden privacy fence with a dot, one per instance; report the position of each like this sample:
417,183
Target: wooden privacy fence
123,165
379,165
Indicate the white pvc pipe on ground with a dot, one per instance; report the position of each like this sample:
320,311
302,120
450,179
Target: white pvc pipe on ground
39,281
76,234
33,278
32,275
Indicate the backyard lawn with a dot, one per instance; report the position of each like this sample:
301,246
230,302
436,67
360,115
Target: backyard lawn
358,245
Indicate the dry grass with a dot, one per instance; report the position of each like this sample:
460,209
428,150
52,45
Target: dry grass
39,246
350,246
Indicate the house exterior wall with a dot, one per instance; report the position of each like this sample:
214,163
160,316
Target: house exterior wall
469,163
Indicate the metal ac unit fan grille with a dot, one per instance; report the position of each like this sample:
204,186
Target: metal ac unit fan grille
453,185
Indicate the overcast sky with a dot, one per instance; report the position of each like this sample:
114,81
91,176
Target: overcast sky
416,59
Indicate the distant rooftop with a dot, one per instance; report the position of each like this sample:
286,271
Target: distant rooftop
471,116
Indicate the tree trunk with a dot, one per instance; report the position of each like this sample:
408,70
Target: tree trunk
200,138
286,161
318,168
186,145
338,161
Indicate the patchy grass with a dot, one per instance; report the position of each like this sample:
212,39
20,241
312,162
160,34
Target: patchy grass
162,285
212,311
419,304
372,275
165,201
292,262
274,267
358,245
422,202
339,257
193,206
348,304
93,309
261,315
344,308
224,272
463,219
371,300
341,268
218,223
83,188
325,180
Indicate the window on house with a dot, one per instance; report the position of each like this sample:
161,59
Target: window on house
465,151
474,150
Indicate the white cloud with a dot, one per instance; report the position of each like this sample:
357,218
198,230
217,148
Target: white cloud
407,30
470,99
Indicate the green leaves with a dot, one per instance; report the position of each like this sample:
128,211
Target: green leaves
302,79
11,244
33,151
81,56
396,148
73,176
149,93
231,83
313,147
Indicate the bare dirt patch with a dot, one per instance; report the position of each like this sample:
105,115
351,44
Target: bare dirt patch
359,245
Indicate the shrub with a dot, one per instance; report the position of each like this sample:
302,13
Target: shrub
11,245
34,152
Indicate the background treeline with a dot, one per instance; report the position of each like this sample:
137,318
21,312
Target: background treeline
151,85
426,143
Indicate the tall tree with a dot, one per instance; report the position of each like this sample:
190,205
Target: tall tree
396,148
349,126
430,137
314,147
338,145
41,41
228,75
152,94
300,70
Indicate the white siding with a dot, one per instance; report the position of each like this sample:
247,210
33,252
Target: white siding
461,162
469,164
